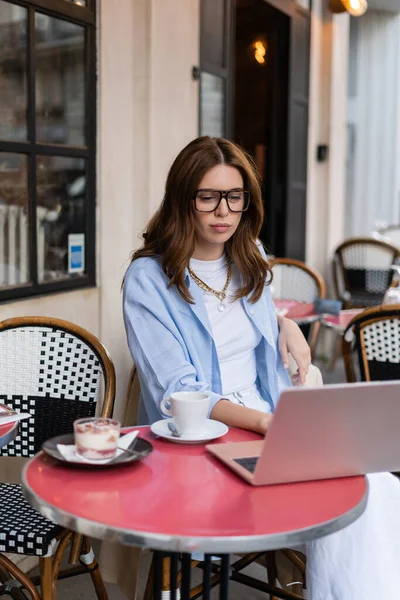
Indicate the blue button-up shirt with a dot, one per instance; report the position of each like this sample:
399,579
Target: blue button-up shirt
172,343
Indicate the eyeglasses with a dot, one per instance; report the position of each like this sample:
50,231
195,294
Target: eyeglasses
209,200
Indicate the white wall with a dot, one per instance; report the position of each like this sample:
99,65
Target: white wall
174,50
373,190
120,214
327,125
80,307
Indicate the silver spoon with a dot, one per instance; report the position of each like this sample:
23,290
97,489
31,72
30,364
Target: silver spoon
173,429
132,452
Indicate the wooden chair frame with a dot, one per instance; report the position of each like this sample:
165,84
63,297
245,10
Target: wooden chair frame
80,545
319,280
338,263
321,287
355,327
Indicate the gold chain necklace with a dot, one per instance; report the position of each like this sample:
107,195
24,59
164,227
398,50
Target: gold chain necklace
220,295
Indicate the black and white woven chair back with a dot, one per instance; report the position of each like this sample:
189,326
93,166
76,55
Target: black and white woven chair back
291,282
377,343
366,273
51,373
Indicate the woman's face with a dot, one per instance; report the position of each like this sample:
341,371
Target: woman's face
214,229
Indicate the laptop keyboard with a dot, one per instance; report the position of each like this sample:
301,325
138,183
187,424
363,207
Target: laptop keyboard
248,463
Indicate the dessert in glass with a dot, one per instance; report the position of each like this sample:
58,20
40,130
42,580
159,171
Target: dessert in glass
96,438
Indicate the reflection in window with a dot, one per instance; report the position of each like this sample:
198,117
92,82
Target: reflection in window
60,81
61,191
13,220
212,101
13,80
47,146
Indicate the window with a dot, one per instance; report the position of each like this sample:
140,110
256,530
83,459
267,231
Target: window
47,146
215,94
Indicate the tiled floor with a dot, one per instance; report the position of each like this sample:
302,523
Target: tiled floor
80,588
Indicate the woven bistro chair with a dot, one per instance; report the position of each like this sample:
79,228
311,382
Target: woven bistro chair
371,345
294,280
362,271
52,369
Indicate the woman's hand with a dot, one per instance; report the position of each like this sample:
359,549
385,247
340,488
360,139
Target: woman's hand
291,339
265,422
235,415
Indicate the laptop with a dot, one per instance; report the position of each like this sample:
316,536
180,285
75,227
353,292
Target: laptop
322,433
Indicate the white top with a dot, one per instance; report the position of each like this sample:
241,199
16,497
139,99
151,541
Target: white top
235,335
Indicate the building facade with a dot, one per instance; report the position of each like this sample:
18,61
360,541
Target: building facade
96,101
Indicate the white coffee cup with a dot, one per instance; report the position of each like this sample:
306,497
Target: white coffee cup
189,411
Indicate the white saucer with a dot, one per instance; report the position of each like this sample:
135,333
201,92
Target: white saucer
213,430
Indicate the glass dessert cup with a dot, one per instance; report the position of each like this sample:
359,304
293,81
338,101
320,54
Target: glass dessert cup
96,438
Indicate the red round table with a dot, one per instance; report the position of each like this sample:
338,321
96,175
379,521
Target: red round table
181,499
8,433
341,321
300,312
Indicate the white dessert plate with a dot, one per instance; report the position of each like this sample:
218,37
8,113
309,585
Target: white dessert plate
139,446
213,430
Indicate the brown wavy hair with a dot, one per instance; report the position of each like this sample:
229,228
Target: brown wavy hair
170,233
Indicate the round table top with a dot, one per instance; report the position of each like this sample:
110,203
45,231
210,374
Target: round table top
341,321
182,499
8,433
301,312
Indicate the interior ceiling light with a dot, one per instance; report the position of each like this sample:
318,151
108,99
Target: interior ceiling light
356,8
260,51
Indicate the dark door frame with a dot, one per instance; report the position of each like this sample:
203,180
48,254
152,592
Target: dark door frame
296,192
289,7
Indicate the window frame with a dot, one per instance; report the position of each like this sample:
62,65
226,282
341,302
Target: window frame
223,69
86,17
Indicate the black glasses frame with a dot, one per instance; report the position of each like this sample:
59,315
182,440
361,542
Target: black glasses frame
224,194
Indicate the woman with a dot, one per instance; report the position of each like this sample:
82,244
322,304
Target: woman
199,316
182,292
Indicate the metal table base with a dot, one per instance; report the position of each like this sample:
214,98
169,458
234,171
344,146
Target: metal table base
179,584
182,577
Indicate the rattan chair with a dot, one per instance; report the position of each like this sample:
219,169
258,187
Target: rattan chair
294,280
52,369
362,271
132,396
371,345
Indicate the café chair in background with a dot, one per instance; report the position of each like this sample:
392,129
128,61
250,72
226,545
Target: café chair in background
131,408
362,271
371,345
294,280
